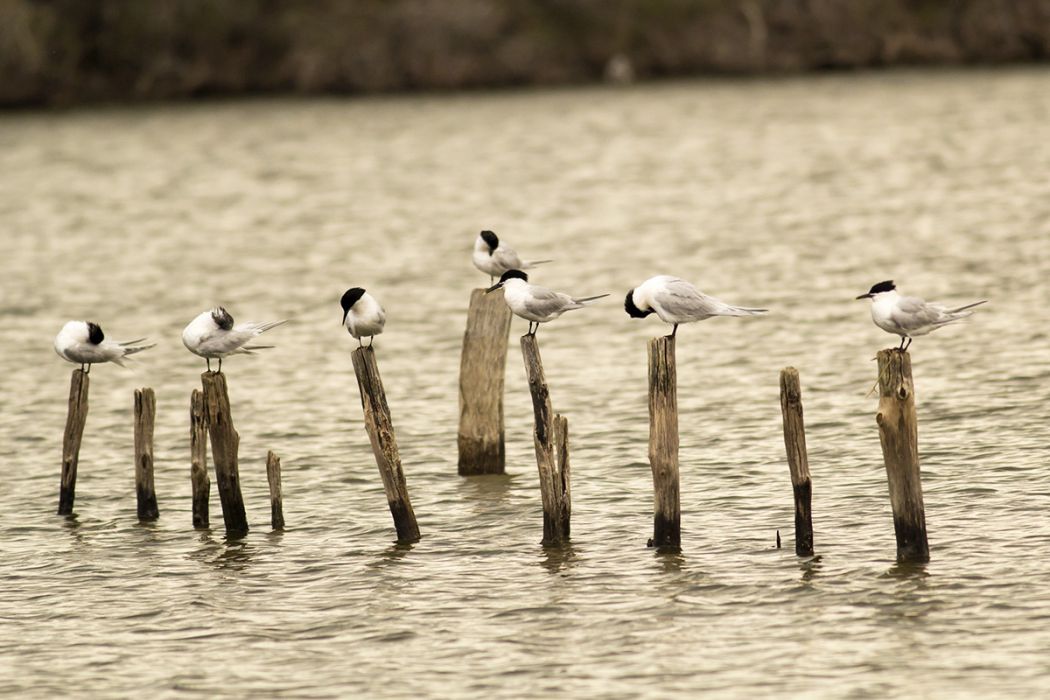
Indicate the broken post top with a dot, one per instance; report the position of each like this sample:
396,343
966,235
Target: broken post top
790,386
895,374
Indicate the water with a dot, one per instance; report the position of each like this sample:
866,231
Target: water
793,194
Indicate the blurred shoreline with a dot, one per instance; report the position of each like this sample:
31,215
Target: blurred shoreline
68,52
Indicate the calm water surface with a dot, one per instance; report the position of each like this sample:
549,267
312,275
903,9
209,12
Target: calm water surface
796,195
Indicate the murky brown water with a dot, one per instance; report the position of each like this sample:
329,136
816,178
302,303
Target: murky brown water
795,194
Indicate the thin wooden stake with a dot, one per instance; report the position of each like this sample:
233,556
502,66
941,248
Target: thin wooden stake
273,477
663,444
899,435
224,445
384,443
145,415
798,459
75,420
481,373
551,441
199,460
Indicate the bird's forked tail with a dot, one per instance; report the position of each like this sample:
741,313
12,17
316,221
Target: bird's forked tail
587,300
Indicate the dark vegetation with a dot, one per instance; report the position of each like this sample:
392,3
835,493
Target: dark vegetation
71,51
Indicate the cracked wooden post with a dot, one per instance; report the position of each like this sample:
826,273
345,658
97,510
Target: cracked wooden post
551,440
798,459
482,368
199,480
145,415
224,445
75,420
273,478
899,435
663,444
384,443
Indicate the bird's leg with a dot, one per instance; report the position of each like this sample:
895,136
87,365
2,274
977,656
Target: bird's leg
220,365
674,331
907,346
901,346
359,343
208,360
371,339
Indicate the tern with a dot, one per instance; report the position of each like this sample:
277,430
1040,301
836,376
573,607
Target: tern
213,335
676,301
910,316
494,258
533,303
84,343
362,315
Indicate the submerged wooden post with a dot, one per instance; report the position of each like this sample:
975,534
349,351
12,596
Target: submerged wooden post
798,459
199,460
663,443
384,444
273,477
145,414
899,435
482,367
224,444
75,420
551,440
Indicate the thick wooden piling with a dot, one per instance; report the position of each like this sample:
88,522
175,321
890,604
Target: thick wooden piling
663,443
224,445
551,440
899,435
273,477
145,415
482,368
384,443
75,420
199,460
798,459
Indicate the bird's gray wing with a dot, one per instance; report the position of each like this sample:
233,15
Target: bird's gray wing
506,257
545,302
225,341
682,300
912,313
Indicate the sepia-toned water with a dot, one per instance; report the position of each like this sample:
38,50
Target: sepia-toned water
793,194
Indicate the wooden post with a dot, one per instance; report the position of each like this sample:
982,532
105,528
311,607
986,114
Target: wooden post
75,420
663,443
899,435
551,440
224,444
273,476
145,414
798,459
199,460
384,443
482,368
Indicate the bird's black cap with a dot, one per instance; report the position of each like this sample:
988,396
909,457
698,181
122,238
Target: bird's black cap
490,238
632,310
222,318
887,286
95,334
350,298
513,274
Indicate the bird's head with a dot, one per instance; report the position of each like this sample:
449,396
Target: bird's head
490,239
880,288
350,298
222,318
508,276
632,309
95,334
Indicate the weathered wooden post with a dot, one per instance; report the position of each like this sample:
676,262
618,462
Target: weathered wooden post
224,444
798,459
482,368
899,435
75,420
145,414
199,460
384,444
551,440
663,443
273,477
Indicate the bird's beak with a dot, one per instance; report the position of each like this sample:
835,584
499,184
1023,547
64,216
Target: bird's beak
494,287
344,317
864,296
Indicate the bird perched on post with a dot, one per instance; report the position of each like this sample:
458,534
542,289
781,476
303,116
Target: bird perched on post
213,335
910,316
84,343
494,258
676,301
362,315
533,303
